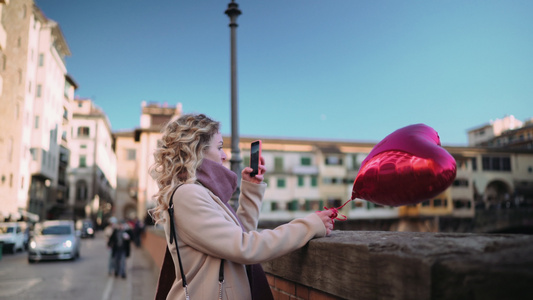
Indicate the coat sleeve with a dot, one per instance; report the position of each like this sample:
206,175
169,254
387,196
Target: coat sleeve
203,225
250,204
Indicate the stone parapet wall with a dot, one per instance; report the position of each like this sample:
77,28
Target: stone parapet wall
153,241
411,265
397,265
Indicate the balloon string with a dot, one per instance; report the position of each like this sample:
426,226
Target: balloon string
336,213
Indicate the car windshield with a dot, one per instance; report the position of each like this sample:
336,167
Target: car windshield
6,229
55,229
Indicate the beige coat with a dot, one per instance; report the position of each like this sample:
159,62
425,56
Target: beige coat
208,231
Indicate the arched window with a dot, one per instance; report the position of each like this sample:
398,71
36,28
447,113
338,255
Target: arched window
81,190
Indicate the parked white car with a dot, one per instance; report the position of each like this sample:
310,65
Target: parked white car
54,240
12,236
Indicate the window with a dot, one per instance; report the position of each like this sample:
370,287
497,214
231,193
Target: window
278,164
67,88
314,180
496,163
36,122
462,204
474,164
300,180
83,131
81,190
39,90
333,161
41,59
83,161
34,153
462,165
131,154
10,149
333,180
460,182
83,146
355,163
281,183
305,161
292,205
63,158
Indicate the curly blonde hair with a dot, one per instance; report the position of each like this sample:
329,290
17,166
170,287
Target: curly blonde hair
179,153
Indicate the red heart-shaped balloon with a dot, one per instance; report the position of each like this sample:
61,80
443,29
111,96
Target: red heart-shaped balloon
406,167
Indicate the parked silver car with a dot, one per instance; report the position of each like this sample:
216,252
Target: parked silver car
12,236
54,240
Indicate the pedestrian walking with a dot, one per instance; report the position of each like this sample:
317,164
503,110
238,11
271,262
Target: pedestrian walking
108,231
119,242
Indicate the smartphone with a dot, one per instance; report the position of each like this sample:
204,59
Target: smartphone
255,156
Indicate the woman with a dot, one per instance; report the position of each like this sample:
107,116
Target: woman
190,156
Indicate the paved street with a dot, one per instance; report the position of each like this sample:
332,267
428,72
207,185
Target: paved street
83,279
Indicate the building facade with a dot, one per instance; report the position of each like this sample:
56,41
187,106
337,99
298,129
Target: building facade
127,151
153,117
14,91
306,175
35,95
93,163
507,132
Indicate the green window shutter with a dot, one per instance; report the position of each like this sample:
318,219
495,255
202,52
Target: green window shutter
83,161
281,182
314,180
305,161
293,205
278,164
300,180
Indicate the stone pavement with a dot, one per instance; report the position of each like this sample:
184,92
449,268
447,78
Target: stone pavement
142,274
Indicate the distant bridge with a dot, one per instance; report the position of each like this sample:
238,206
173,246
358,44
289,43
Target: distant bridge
505,220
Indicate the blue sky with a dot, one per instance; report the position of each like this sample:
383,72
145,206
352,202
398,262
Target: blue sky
339,69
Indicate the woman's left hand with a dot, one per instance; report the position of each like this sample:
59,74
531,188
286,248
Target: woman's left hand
257,178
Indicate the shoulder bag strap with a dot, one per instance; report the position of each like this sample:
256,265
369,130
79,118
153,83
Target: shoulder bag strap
173,238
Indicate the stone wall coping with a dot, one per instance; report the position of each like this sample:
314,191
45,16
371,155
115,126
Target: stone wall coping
412,265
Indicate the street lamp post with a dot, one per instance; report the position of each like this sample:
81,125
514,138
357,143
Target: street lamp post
233,12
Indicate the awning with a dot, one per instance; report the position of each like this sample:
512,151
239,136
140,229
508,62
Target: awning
31,216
